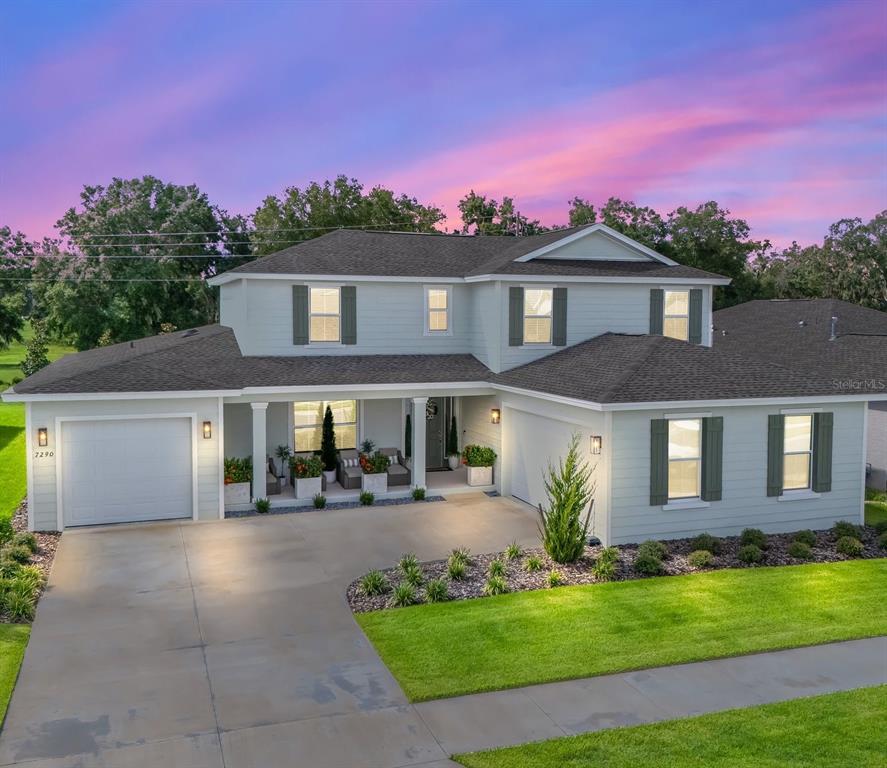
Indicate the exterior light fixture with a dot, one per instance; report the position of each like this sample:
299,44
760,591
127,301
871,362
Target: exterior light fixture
495,415
42,437
596,442
207,430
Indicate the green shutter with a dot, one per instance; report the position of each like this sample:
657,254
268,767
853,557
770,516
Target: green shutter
695,320
823,427
775,453
300,314
348,297
658,462
712,457
656,309
559,317
515,317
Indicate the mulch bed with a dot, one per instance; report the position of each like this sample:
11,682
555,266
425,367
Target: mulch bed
675,563
330,505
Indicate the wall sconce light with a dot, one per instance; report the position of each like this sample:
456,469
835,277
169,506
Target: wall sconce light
596,442
42,437
495,415
207,430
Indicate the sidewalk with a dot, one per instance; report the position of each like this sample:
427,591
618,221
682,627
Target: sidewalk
507,718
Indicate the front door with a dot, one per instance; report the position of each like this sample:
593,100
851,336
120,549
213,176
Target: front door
435,432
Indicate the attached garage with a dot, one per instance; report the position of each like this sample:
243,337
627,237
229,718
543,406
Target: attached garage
120,470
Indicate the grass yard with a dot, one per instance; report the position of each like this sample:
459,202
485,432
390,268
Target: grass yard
13,639
837,729
875,506
467,646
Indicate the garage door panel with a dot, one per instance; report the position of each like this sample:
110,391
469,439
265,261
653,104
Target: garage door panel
126,470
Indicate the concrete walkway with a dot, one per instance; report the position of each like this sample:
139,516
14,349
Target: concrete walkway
230,645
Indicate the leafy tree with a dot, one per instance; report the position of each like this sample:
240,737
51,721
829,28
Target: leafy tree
302,214
37,349
581,212
328,453
16,260
640,223
482,216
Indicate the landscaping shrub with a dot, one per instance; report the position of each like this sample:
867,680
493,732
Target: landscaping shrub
604,568
800,550
554,578
533,564
418,494
753,537
496,568
750,553
570,494
478,456
25,539
374,583
263,506
319,501
496,585
6,530
806,537
18,554
436,591
653,547
413,574
463,553
19,606
8,568
238,470
513,551
367,498
881,526
707,542
848,545
407,560
843,528
404,594
31,574
305,467
647,564
882,540
456,569
700,558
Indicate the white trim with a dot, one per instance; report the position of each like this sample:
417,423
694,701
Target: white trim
29,466
799,411
590,230
221,457
59,420
692,503
309,389
550,316
514,278
865,442
688,415
736,402
228,277
449,291
325,342
14,397
802,494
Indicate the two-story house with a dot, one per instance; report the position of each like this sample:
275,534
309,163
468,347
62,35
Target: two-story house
526,341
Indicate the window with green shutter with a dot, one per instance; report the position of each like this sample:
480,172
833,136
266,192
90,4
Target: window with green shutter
515,316
300,315
712,457
658,462
823,427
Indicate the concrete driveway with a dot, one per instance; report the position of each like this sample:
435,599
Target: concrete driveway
200,645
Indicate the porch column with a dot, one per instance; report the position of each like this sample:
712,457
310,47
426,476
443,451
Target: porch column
418,464
259,429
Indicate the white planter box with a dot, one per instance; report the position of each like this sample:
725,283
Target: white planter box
307,487
480,475
454,461
377,483
236,493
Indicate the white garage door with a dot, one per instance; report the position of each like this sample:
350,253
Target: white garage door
536,442
126,470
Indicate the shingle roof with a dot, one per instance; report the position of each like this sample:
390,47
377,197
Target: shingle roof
404,254
795,333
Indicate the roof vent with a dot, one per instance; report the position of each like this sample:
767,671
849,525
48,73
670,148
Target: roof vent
833,329
132,345
802,323
189,332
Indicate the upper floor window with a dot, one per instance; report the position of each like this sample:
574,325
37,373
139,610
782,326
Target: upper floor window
537,315
324,322
798,452
684,458
676,320
437,310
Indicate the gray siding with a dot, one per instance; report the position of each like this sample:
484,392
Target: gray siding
876,453
744,503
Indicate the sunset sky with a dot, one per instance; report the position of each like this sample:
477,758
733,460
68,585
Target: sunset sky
778,110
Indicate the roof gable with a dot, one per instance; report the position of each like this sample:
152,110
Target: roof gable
597,242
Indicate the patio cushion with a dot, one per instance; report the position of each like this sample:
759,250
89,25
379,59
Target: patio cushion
352,471
397,469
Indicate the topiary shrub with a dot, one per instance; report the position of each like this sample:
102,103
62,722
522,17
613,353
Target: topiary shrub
25,539
701,558
496,585
800,550
647,564
844,528
754,537
653,547
707,542
850,546
436,591
806,537
750,553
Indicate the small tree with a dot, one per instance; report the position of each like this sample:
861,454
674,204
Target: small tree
36,350
328,452
408,437
453,439
570,493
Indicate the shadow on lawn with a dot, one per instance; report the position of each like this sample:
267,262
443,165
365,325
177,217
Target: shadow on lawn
8,434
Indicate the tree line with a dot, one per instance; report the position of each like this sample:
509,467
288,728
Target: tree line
131,259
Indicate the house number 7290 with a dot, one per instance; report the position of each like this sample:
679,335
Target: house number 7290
43,454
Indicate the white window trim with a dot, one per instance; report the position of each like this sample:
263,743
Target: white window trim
449,291
538,344
666,316
800,493
311,314
689,502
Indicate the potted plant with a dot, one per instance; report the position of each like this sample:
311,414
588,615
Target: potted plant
328,453
453,445
479,459
375,474
283,453
408,442
306,471
238,476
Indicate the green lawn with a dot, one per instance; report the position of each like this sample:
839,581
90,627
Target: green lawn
837,729
875,506
13,639
467,646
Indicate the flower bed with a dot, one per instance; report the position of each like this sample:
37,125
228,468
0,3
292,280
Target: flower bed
519,579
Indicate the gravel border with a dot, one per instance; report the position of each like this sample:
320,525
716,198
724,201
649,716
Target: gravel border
330,505
675,563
